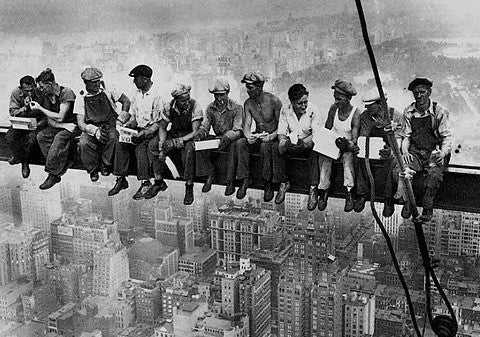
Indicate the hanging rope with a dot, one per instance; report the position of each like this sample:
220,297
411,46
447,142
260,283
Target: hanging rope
442,325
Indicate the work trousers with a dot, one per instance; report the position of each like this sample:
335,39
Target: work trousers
205,160
363,182
122,159
270,158
21,143
325,168
55,144
306,152
183,158
91,149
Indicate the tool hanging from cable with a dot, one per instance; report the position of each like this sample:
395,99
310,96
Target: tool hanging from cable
442,325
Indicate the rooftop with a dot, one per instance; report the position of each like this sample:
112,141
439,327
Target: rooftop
198,255
13,290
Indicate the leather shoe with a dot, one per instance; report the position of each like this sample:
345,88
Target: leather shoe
94,176
359,204
25,170
208,184
105,171
144,187
312,198
322,199
230,189
160,185
242,191
406,212
50,182
284,187
121,184
427,214
13,161
188,200
388,208
348,202
268,192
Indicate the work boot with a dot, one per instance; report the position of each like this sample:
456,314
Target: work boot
268,192
388,208
230,189
348,202
359,203
406,212
158,186
121,184
13,161
284,187
188,200
427,214
50,182
94,176
312,198
25,170
322,199
144,187
208,184
106,170
242,191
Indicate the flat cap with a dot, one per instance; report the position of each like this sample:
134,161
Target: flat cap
372,96
253,77
180,89
418,81
141,70
344,87
91,74
220,86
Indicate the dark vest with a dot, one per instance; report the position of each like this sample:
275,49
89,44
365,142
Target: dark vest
423,136
181,122
98,110
55,107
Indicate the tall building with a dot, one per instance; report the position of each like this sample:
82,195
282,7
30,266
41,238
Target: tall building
463,235
100,203
169,229
273,261
6,206
293,308
236,231
121,211
40,253
39,208
38,303
200,261
148,300
76,238
230,294
11,300
110,269
254,300
294,203
358,314
66,279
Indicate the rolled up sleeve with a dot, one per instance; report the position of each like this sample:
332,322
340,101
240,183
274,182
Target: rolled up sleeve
282,124
238,119
445,130
197,113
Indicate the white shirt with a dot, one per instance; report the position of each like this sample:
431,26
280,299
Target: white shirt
146,107
289,123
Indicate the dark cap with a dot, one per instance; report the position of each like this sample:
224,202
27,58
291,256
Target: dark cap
253,77
344,87
220,86
419,81
141,70
91,74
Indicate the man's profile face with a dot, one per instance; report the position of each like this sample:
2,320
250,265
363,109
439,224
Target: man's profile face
254,90
92,86
182,101
28,89
46,87
422,94
341,100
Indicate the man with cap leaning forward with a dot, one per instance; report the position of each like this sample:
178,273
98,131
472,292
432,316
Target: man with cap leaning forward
145,109
295,136
373,123
225,116
97,116
427,143
23,142
57,104
264,108
185,117
344,119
